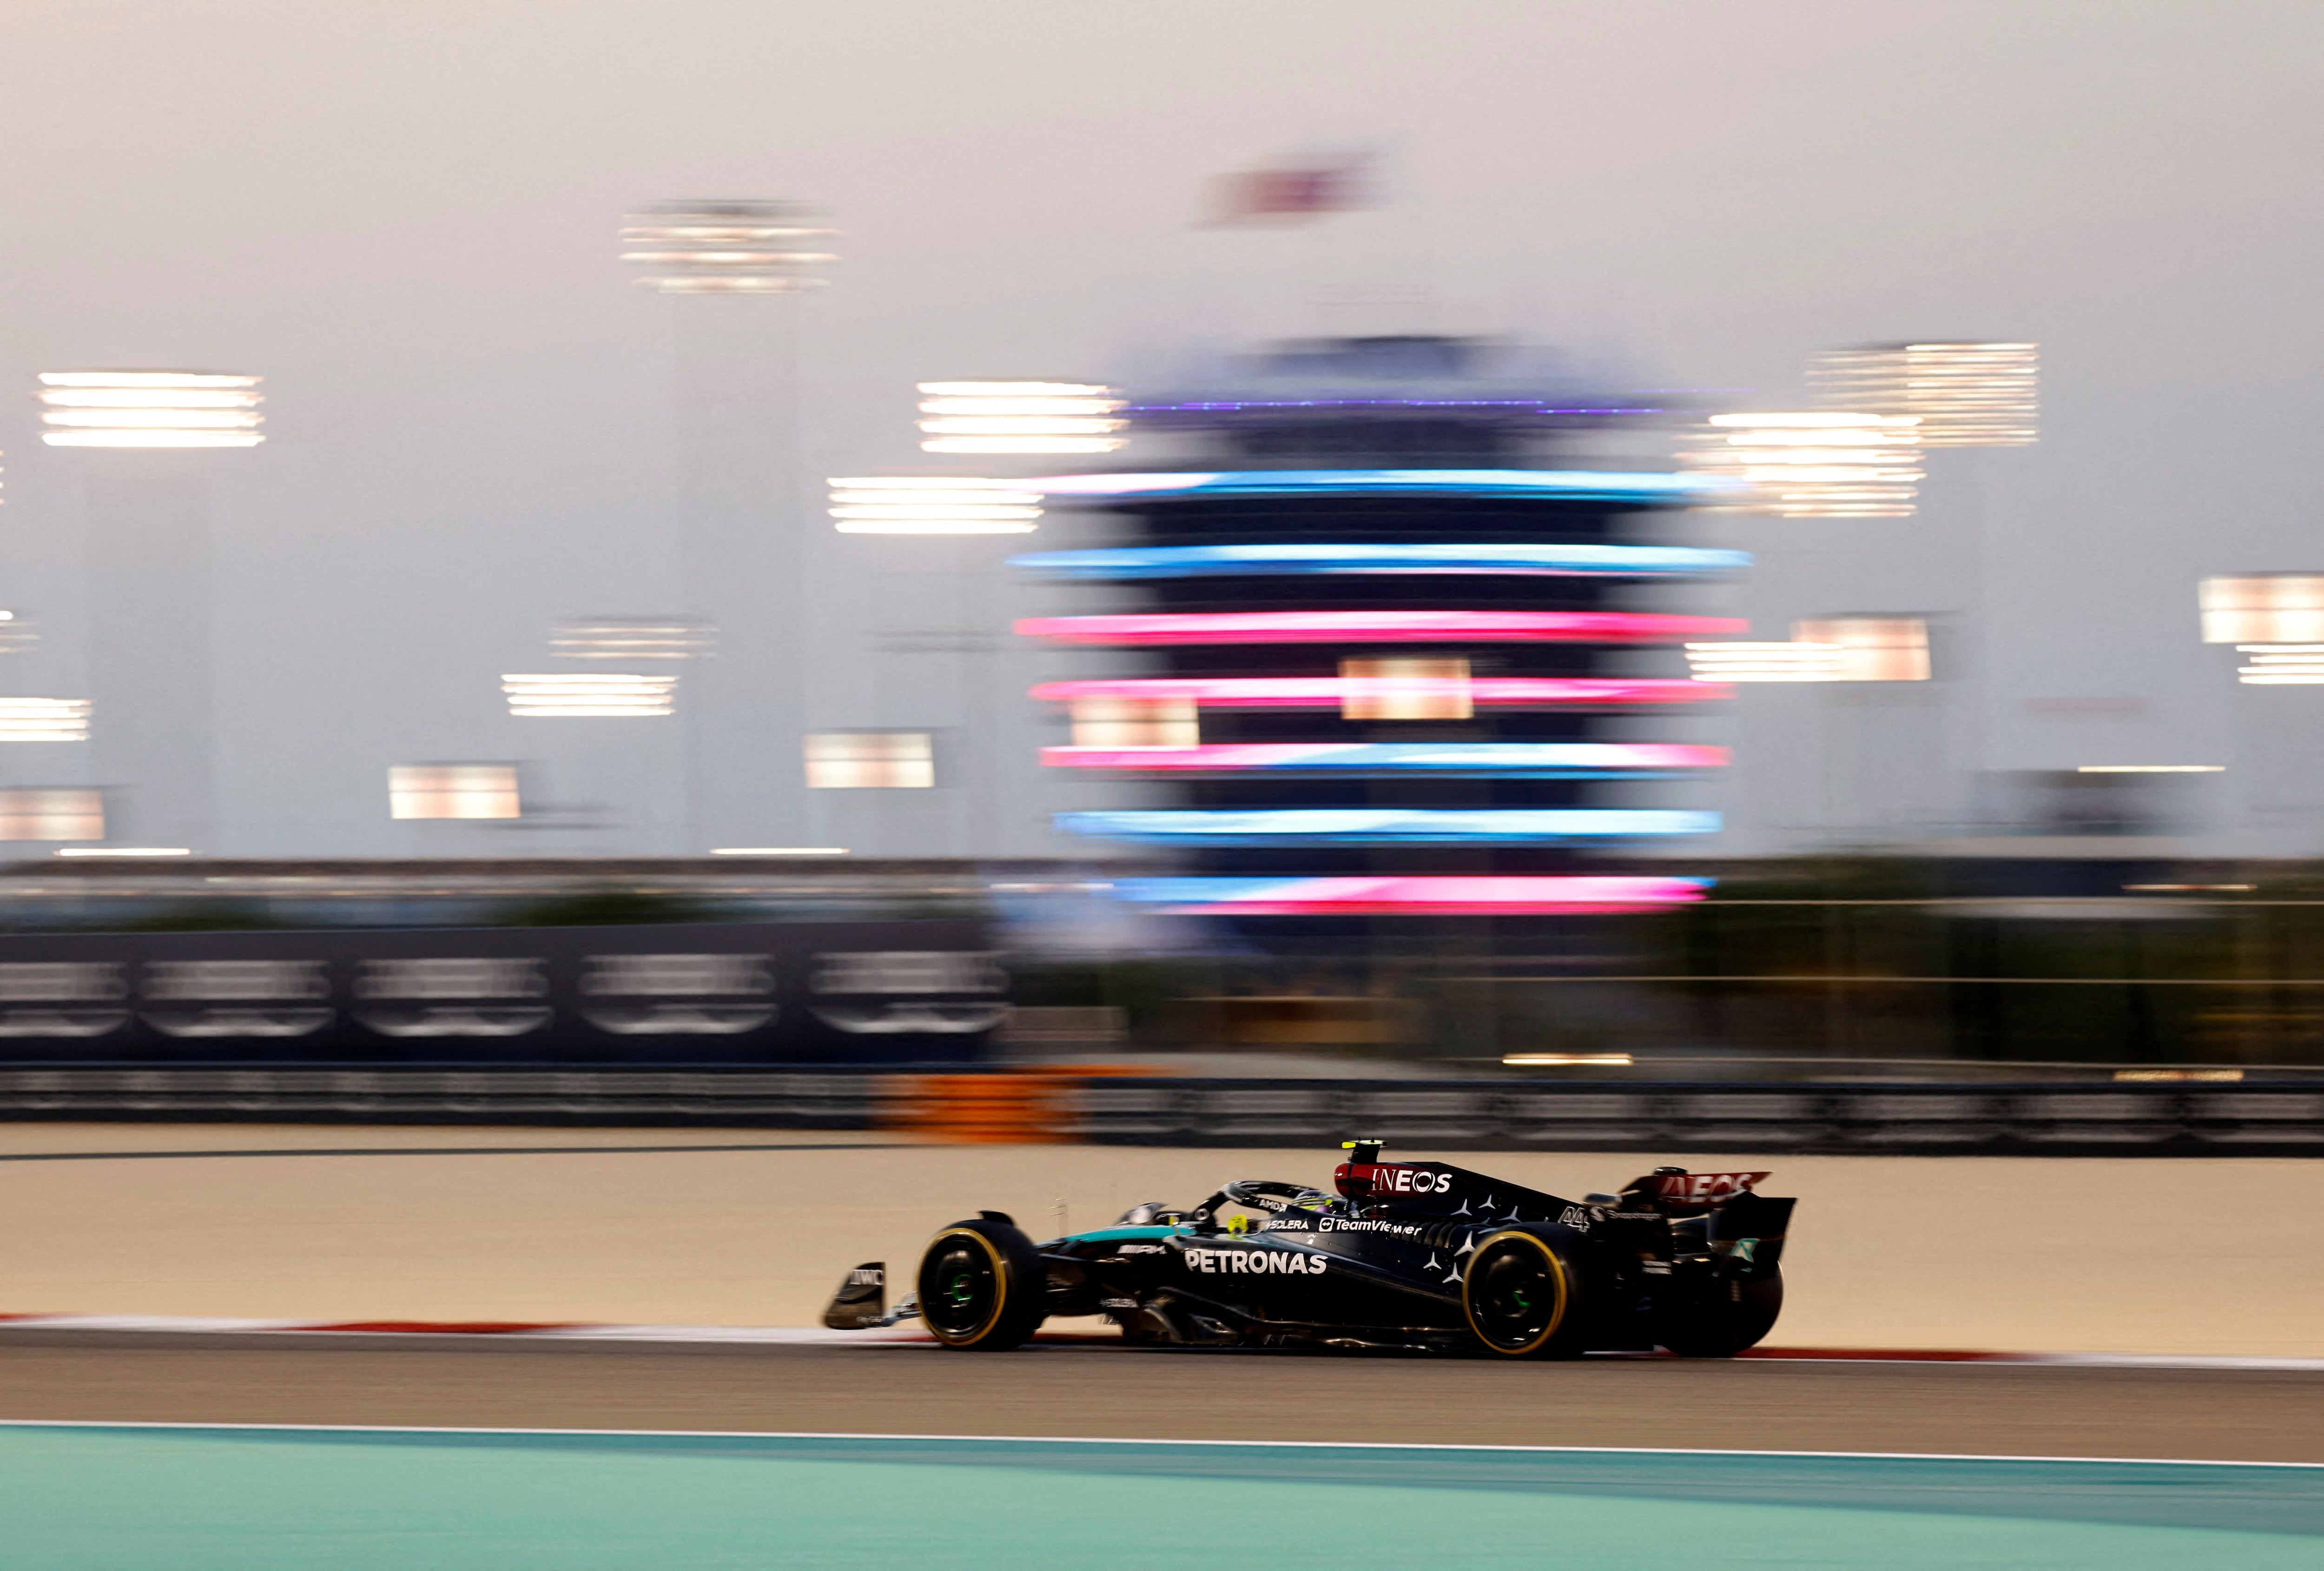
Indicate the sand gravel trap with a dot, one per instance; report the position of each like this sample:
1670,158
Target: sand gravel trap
2214,1256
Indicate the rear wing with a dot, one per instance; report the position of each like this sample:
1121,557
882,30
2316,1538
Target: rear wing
1676,1192
1746,1226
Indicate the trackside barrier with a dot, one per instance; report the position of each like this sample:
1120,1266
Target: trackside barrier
1016,1108
1113,1107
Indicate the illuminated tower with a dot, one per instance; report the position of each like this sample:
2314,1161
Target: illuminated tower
1385,645
149,603
731,271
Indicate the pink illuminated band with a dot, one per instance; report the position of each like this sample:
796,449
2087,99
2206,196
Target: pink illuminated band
1376,627
1506,758
1411,896
1333,692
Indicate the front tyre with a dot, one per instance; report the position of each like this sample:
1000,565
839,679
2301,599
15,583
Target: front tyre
1733,1317
1522,1299
981,1286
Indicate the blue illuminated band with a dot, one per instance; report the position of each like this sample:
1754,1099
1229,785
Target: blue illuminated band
1213,561
1377,826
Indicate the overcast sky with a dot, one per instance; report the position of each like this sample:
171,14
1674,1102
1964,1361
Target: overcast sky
402,214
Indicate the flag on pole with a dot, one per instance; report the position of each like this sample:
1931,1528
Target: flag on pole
1293,190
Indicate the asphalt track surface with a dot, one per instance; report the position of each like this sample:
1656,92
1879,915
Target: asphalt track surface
1106,1390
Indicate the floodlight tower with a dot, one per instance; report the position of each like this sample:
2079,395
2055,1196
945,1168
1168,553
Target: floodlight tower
149,561
733,270
941,668
1874,453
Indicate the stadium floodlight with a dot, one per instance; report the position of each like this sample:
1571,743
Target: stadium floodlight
727,247
44,719
1872,649
557,696
124,851
38,814
150,409
627,637
779,850
870,760
1853,648
1964,395
1742,661
1019,416
460,790
2263,607
2282,665
1812,464
922,505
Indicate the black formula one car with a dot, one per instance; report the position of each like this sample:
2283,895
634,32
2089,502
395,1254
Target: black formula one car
1418,1255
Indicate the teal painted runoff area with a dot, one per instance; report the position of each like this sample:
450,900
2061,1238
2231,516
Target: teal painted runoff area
106,1498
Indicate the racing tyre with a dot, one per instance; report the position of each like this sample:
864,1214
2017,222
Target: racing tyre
981,1286
1729,1319
1522,1299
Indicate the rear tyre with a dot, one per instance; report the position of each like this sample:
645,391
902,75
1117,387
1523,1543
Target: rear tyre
981,1287
1734,1316
1522,1299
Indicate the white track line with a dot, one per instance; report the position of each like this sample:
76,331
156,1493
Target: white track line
1132,1441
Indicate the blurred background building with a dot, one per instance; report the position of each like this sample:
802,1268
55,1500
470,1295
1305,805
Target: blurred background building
1400,675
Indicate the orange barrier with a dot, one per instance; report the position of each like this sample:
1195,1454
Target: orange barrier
1032,1106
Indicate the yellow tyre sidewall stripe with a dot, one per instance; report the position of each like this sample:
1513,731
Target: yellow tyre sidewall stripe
999,1286
1556,1271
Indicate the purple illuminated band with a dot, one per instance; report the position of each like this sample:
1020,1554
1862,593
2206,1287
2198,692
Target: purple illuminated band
1638,488
1505,758
1333,692
1410,897
1377,627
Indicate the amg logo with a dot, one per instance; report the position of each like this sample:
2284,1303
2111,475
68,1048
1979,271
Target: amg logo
1261,1262
1140,1249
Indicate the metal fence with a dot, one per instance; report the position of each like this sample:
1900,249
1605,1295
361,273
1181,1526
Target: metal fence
1990,1120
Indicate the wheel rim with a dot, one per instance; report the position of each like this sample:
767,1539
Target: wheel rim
961,1297
1515,1293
